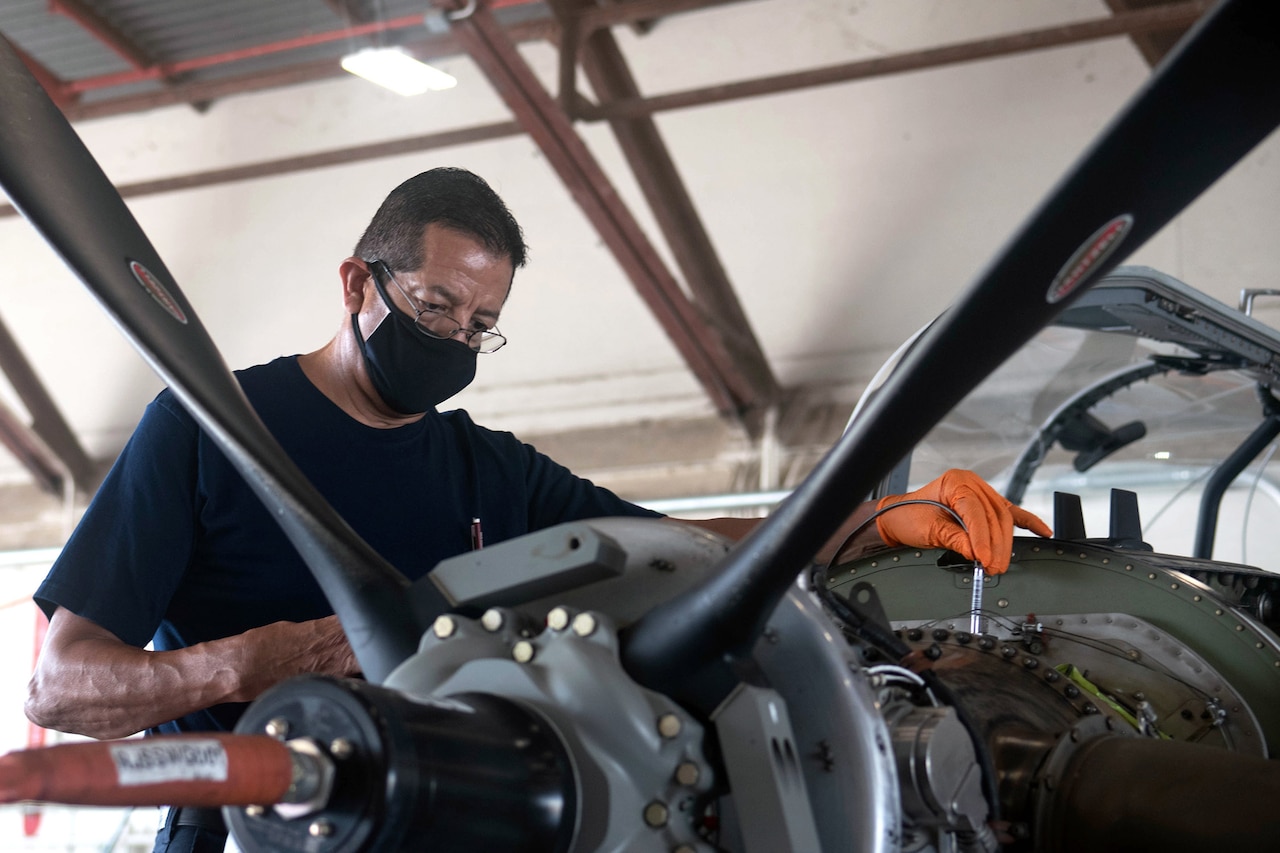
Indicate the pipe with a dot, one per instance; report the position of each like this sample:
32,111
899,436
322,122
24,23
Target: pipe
1129,795
1211,498
184,770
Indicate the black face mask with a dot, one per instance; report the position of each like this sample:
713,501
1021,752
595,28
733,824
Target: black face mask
411,371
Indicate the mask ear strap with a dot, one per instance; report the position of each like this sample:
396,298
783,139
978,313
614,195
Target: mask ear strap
355,328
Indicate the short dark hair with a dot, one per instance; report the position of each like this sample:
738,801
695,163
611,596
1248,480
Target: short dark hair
453,197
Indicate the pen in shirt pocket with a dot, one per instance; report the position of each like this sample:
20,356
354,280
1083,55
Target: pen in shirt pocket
477,535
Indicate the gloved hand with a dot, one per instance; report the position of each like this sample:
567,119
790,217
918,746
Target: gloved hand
988,517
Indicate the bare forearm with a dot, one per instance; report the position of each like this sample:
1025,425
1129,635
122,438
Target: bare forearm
108,692
97,686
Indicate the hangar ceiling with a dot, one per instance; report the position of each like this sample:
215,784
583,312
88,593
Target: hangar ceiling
670,140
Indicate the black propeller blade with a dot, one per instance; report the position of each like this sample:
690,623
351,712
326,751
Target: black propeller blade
1214,99
55,182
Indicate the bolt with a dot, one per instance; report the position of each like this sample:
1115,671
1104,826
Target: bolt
522,651
341,748
584,624
254,811
1008,651
1030,663
320,829
986,643
915,634
941,633
656,814
278,727
933,652
1051,675
1002,602
1090,708
964,638
687,773
1072,691
669,726
558,619
492,620
444,627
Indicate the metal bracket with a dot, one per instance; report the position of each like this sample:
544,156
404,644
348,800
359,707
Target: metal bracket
438,20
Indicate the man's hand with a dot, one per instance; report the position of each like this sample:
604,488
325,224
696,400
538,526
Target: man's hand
988,520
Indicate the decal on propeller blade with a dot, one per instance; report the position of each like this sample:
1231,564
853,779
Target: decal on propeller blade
158,291
1089,257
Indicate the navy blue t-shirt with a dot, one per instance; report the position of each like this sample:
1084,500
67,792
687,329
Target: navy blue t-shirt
176,548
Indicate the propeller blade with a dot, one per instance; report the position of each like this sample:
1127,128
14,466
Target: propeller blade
54,181
1213,99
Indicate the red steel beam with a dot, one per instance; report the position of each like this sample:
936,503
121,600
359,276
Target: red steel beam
48,448
1182,14
673,209
731,392
308,162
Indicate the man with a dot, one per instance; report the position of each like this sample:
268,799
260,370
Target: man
177,550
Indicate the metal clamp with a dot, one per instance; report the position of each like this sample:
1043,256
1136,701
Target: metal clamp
438,20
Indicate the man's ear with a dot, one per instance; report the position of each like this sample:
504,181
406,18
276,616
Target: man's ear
355,280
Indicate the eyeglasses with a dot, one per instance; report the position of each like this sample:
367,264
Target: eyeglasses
432,320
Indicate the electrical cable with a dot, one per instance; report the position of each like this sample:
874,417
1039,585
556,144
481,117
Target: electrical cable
858,621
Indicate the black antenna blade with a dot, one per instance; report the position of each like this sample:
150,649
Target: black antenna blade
1214,99
54,181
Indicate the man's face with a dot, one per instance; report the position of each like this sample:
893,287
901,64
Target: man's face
459,278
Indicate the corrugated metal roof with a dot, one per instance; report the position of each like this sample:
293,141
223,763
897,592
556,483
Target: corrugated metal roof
71,39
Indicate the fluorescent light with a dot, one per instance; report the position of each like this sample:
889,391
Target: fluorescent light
394,69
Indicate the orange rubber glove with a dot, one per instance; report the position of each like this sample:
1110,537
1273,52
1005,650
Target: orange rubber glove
988,517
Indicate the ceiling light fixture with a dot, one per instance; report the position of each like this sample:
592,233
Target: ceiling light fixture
393,68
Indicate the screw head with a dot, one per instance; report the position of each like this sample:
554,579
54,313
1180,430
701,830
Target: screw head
656,814
341,748
254,811
320,829
277,727
492,620
584,624
687,773
444,627
522,651
669,726
558,619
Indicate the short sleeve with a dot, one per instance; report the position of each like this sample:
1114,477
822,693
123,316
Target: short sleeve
127,556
